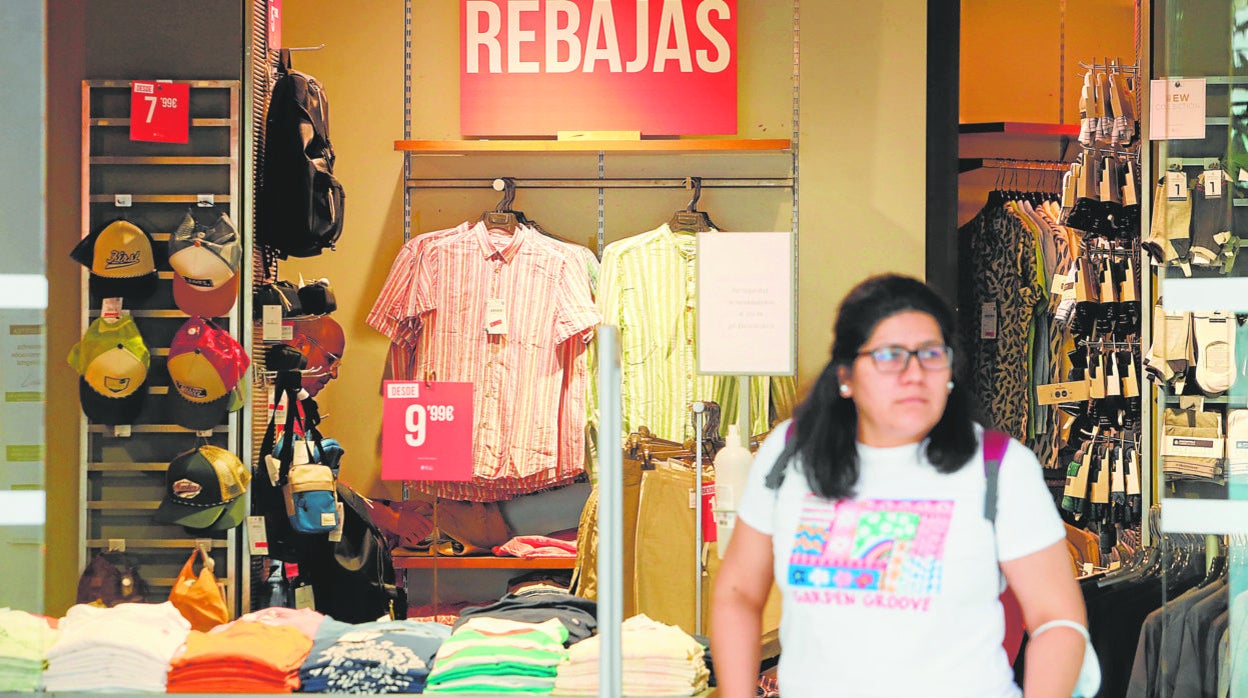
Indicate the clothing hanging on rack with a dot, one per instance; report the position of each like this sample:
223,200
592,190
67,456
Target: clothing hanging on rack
999,293
433,306
649,291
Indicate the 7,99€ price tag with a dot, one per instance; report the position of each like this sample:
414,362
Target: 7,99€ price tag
160,112
426,431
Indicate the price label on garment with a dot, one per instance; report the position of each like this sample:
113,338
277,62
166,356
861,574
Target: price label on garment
426,431
988,321
160,112
1213,183
1176,185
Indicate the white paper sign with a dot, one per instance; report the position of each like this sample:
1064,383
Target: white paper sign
745,304
1177,109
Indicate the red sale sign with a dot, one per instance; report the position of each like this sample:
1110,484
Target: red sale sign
426,431
536,67
160,111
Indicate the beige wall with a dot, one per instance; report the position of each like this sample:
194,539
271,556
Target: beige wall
1011,70
861,169
1012,65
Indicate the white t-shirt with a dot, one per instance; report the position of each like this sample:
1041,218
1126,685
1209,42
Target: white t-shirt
895,592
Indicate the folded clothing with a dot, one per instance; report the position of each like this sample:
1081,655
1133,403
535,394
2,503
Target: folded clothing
379,657
127,647
538,604
488,654
246,652
659,659
559,544
305,620
24,640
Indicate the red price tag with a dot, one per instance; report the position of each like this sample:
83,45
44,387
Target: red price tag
160,112
275,25
426,431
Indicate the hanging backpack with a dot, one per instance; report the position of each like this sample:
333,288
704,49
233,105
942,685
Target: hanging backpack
300,203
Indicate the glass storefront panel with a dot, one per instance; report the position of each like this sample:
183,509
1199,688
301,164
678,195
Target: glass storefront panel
23,302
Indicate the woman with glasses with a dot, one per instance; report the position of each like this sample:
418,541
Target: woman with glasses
868,512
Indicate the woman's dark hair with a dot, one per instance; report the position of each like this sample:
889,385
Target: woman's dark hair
825,429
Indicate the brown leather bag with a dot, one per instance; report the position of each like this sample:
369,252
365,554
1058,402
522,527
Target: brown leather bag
198,596
111,578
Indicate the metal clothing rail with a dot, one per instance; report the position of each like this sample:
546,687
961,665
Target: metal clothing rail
594,183
968,164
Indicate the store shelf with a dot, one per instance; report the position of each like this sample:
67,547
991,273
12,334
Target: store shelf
159,199
623,146
407,560
122,505
161,160
194,122
153,429
1022,128
158,543
127,467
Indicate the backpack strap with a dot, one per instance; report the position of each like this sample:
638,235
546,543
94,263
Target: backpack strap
775,477
995,443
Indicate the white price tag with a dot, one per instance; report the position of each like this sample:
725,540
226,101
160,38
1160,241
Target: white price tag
257,538
271,328
304,597
336,534
1213,184
1176,186
110,308
205,200
496,316
121,431
122,200
988,321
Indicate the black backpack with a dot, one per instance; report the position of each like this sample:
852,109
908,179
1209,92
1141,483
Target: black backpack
300,203
353,579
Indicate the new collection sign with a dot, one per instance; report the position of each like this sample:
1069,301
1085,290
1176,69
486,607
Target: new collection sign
537,67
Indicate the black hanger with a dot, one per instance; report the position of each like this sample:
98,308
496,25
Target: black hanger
502,217
690,219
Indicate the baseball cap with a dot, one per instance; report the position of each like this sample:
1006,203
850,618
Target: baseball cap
205,366
204,490
119,257
205,261
112,361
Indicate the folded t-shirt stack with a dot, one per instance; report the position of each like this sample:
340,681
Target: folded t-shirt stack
305,620
539,603
246,657
659,660
120,649
558,544
495,655
381,657
24,640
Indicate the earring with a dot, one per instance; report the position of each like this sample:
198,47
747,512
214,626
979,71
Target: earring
949,386
844,390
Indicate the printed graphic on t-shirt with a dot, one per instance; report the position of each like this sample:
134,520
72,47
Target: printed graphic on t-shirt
885,553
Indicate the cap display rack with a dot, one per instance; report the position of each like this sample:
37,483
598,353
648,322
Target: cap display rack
122,475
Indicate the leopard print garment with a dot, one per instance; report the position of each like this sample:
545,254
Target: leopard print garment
997,265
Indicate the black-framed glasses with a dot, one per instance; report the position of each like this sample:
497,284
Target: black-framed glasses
334,359
894,359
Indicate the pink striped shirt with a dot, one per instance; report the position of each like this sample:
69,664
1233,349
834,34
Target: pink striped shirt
522,441
390,315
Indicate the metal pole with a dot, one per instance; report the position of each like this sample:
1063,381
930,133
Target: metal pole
699,421
610,514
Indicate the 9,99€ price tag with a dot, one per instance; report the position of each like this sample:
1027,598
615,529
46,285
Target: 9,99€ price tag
426,431
160,112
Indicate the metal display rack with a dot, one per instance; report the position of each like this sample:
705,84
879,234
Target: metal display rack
122,476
